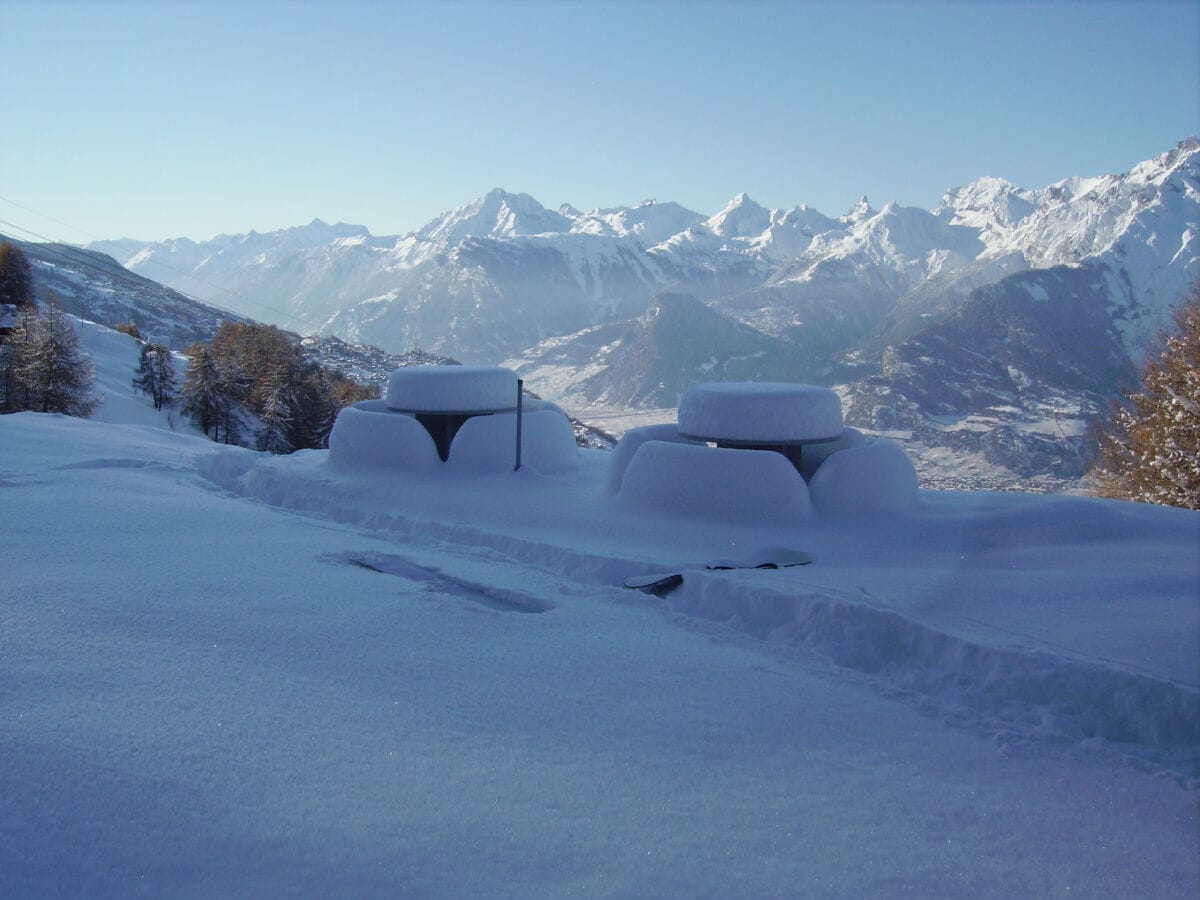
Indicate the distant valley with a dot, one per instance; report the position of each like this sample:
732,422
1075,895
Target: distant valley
990,330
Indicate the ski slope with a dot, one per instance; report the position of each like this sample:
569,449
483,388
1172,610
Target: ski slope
232,674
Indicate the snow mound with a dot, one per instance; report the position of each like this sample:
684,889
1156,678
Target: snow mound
629,444
816,454
873,478
713,483
487,444
760,411
452,389
369,436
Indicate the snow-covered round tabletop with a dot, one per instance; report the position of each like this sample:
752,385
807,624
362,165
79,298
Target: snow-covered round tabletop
452,389
760,413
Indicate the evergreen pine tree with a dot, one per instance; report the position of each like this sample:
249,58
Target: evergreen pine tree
323,408
46,368
165,376
279,414
14,357
156,375
145,379
1150,448
202,391
16,276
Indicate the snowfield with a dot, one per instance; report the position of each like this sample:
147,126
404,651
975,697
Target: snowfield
226,673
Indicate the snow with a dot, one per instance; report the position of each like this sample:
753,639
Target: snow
371,436
459,389
876,477
487,444
760,411
690,482
629,443
232,673
367,437
814,455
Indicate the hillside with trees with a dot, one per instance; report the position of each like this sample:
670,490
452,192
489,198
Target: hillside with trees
256,385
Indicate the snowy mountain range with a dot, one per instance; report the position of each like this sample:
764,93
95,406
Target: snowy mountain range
575,299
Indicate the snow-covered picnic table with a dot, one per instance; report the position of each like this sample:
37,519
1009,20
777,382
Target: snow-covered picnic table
785,418
442,398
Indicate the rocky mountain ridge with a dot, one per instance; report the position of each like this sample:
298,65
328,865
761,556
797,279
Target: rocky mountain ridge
865,300
501,273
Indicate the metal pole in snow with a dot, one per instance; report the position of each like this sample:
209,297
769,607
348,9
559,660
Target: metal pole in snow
520,391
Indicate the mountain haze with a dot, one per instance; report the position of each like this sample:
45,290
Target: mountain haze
874,300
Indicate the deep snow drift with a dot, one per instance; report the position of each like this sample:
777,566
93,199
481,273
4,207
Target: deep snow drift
232,673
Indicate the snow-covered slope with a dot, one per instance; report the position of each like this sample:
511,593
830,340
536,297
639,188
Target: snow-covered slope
227,673
95,287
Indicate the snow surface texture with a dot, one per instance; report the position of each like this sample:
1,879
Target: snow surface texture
760,412
226,673
459,389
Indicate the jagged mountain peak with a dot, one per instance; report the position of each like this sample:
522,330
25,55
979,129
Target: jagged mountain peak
1183,157
649,222
859,212
497,213
336,230
987,203
504,256
741,217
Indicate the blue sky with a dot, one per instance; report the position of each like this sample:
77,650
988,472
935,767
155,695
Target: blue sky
156,120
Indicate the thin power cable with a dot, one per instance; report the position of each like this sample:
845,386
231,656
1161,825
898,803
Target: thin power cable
47,244
48,216
288,317
52,255
82,258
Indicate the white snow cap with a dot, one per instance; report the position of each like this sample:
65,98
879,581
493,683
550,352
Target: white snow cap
760,412
452,389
